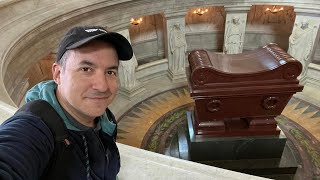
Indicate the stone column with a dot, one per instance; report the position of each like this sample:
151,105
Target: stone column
175,44
235,28
129,85
305,34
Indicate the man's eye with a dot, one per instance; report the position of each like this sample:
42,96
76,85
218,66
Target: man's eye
85,69
112,73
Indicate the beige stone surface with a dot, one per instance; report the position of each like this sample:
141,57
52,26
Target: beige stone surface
6,111
138,164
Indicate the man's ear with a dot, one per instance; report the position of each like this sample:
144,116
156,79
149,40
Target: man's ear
56,72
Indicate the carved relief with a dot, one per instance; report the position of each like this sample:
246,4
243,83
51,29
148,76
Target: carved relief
127,69
301,42
214,105
212,20
270,102
291,72
178,47
234,35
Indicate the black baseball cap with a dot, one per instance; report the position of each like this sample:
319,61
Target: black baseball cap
80,35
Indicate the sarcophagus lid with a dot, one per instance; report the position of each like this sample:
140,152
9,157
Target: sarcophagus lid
267,69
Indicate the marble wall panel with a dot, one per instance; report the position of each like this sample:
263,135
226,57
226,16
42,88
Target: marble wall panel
254,40
213,20
145,30
316,57
281,22
145,50
209,41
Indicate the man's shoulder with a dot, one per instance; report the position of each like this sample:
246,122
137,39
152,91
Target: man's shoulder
28,116
27,126
23,116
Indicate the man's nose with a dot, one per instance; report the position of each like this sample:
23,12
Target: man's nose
101,82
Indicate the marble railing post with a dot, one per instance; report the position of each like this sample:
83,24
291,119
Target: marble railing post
175,44
129,84
235,28
305,34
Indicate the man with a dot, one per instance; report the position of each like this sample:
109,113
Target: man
84,84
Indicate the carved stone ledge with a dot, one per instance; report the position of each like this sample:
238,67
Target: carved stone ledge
307,11
237,8
130,93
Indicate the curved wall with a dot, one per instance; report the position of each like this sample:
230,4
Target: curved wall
30,30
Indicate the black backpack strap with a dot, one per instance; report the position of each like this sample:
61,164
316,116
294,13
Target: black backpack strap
49,116
62,144
113,119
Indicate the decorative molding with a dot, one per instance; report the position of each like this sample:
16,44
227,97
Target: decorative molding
152,70
314,75
177,77
307,11
173,14
4,3
237,8
130,93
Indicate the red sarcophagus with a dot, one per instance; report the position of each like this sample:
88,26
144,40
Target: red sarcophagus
240,95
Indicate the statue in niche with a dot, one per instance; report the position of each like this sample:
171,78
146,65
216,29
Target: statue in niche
127,69
233,37
301,43
178,47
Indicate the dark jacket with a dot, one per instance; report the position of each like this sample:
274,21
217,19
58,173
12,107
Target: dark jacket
27,144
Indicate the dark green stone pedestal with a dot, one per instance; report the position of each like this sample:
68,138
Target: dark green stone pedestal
268,156
234,148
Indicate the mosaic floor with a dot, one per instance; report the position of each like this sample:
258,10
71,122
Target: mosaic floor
150,125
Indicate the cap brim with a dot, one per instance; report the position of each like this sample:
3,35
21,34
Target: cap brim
121,44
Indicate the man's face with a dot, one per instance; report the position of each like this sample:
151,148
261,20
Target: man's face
89,81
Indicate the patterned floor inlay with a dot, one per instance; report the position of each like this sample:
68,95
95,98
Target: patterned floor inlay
152,123
307,148
138,120
304,114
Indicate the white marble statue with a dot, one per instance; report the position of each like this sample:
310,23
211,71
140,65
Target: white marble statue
233,37
301,43
178,47
127,69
